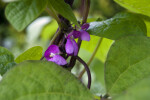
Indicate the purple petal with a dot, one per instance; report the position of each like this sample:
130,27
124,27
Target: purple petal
69,47
76,34
58,60
75,45
85,26
85,35
69,35
51,49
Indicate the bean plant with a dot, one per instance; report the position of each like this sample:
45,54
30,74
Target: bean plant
46,73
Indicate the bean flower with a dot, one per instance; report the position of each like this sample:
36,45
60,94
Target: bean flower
53,54
71,45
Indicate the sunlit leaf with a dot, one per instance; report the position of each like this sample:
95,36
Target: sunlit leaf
34,53
138,6
103,48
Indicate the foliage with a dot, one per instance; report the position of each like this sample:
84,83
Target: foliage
117,53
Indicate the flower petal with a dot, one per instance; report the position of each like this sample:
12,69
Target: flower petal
69,35
76,34
85,35
51,49
85,26
75,45
58,60
69,47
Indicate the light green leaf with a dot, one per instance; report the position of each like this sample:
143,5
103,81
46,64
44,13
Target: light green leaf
6,60
42,80
49,30
139,91
138,6
23,12
103,48
64,9
34,53
127,63
121,25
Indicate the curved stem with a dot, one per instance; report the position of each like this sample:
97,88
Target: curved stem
91,58
87,69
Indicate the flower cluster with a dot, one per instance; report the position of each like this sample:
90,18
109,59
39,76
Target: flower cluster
71,47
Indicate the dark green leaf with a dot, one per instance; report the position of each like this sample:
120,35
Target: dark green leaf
6,60
42,80
138,6
127,63
121,25
23,12
34,53
64,9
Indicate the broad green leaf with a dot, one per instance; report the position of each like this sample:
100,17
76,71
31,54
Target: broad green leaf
138,6
139,91
121,25
6,60
127,63
23,12
34,53
64,9
42,80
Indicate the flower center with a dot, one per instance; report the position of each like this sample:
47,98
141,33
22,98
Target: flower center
52,55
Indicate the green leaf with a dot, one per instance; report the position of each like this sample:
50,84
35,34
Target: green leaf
121,25
6,60
64,9
42,80
49,30
23,12
138,6
34,53
103,48
127,63
139,91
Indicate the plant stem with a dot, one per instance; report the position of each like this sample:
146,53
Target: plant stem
86,10
87,69
92,56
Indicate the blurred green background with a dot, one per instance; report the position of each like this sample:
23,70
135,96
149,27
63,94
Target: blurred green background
40,31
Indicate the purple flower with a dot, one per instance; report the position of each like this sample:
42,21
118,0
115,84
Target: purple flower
85,35
85,26
71,45
52,54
